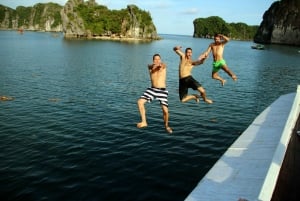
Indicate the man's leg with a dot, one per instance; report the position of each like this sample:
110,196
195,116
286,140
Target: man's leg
216,76
203,95
190,97
141,105
165,111
229,72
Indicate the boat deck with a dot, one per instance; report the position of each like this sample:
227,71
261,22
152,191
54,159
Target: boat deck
287,187
249,169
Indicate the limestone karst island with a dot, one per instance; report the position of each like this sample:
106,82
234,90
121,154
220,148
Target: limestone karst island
86,19
81,19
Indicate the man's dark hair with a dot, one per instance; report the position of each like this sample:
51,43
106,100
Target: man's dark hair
188,49
155,56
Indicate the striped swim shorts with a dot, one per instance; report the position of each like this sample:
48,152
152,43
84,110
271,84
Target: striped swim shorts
153,93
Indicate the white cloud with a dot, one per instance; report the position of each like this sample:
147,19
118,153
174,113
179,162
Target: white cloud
190,11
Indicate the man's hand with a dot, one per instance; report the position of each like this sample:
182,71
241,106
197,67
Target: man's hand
177,48
203,56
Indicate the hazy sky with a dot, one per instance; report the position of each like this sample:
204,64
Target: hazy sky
176,16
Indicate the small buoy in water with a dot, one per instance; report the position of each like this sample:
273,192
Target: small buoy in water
6,98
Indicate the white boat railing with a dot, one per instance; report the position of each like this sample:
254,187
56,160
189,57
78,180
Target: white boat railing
249,169
273,173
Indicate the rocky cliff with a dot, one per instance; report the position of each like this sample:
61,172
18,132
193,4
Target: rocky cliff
40,17
87,19
80,19
73,25
281,24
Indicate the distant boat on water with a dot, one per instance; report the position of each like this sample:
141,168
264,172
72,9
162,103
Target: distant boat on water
258,47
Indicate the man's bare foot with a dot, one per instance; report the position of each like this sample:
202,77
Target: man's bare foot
234,77
169,129
197,98
208,101
223,82
141,125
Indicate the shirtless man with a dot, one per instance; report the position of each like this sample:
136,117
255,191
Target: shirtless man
186,80
217,49
157,71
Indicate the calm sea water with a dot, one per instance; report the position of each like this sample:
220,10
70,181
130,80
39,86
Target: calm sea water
70,132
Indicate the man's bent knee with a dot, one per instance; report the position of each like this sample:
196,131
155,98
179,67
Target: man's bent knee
141,101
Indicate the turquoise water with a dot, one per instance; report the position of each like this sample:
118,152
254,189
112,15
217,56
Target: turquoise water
70,132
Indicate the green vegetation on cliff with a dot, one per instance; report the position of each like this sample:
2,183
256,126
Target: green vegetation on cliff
79,18
207,27
11,13
100,20
23,15
44,12
29,17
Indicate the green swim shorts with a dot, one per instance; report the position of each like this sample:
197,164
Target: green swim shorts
217,65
